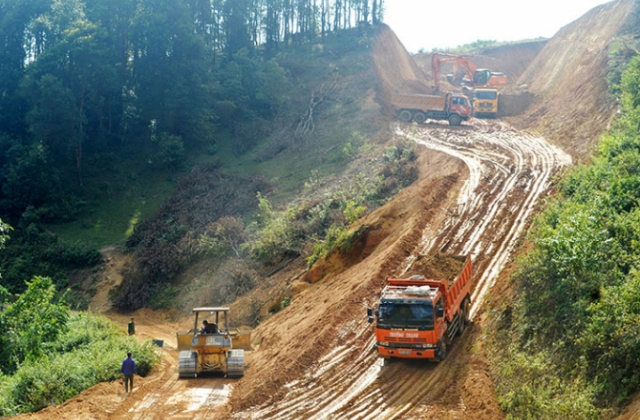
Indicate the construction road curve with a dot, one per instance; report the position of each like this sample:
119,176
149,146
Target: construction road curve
509,172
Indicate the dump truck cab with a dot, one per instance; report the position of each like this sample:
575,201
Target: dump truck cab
417,317
485,102
209,346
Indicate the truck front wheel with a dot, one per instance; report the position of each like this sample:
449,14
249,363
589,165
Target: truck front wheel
441,351
405,115
455,120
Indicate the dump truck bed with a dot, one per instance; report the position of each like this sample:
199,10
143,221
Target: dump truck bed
454,290
421,102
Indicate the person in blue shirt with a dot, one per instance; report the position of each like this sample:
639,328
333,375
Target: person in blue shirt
128,370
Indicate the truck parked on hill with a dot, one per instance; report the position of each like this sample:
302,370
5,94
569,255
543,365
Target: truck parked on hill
453,107
418,316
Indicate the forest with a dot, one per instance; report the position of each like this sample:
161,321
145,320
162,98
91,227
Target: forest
88,85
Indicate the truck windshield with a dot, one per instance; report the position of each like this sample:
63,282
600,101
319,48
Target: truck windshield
486,94
459,101
398,315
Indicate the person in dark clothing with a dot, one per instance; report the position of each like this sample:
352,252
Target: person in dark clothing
128,370
208,328
132,327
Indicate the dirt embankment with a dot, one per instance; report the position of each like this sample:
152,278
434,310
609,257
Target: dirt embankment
568,78
396,70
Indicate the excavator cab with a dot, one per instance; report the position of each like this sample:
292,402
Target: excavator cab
481,77
485,77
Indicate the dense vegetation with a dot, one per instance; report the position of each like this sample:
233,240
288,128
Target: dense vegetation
573,336
146,103
96,96
48,355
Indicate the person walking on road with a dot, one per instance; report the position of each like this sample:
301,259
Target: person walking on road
131,327
128,370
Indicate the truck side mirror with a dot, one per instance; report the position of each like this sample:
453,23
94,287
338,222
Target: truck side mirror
439,312
370,320
369,312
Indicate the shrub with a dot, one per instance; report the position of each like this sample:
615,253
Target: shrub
91,351
576,321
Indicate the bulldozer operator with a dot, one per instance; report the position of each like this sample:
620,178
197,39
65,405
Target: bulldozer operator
208,328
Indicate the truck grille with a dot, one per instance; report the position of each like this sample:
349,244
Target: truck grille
404,340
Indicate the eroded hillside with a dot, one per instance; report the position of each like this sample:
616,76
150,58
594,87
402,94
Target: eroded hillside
568,78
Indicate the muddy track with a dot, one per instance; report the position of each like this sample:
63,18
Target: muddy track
166,396
509,172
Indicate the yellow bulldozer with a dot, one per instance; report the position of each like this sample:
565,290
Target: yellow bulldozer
212,347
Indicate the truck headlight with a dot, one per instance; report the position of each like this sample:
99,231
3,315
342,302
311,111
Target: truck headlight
383,343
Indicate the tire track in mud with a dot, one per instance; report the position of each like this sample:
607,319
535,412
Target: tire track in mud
508,172
167,396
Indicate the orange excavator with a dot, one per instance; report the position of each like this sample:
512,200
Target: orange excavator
475,77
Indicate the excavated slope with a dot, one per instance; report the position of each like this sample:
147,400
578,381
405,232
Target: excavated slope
568,78
397,72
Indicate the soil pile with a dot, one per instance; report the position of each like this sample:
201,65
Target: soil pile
437,266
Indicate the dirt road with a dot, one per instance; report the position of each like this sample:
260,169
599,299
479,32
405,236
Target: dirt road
479,184
508,173
317,359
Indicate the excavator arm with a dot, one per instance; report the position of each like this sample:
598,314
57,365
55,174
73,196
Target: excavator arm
476,76
437,59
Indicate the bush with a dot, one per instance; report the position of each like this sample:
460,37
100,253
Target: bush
576,323
33,251
530,389
90,352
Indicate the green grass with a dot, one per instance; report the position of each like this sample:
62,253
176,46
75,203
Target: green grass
117,204
91,351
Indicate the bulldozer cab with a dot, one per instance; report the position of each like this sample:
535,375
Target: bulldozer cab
211,320
217,333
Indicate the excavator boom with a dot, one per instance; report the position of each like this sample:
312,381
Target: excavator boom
476,77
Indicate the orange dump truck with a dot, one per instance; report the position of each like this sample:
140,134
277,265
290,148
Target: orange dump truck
417,316
453,107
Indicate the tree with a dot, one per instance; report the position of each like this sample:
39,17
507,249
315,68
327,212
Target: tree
4,234
32,321
235,17
54,120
